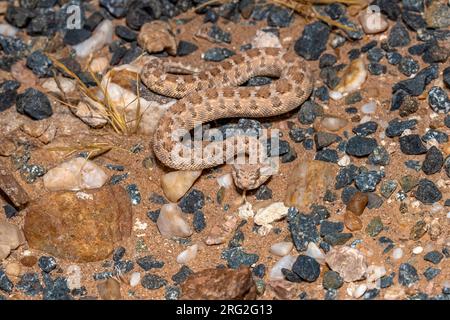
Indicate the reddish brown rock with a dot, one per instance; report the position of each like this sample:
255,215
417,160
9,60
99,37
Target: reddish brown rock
358,203
352,221
28,261
109,289
79,226
309,182
220,284
11,188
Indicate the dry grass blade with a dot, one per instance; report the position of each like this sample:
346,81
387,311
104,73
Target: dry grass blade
93,149
115,117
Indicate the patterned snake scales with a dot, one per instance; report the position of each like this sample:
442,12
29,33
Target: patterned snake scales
215,93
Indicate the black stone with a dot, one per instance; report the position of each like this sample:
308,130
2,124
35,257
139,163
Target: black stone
142,11
396,127
354,54
415,86
393,58
324,139
332,280
346,176
153,215
133,193
439,136
398,36
302,228
387,281
379,156
431,273
307,268
29,284
327,60
117,8
412,145
390,8
153,282
375,54
377,68
5,284
186,48
125,33
313,40
279,17
217,54
327,227
438,100
199,221
236,257
434,160
309,111
427,192
413,20
360,146
182,275
407,275
34,104
367,181
118,254
408,66
192,201
259,270
56,289
336,239
47,264
348,193
446,75
76,36
322,93
263,193
369,45
40,64
327,155
366,128
353,98
149,262
8,94
433,257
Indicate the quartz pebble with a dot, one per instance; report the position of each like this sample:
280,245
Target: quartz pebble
225,181
11,237
349,262
102,36
75,174
397,253
135,278
171,222
281,248
267,215
314,252
286,262
352,79
188,255
175,184
373,22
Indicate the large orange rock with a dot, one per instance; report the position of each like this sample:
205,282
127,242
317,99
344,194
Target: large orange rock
220,284
308,183
79,226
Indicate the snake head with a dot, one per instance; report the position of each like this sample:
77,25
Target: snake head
248,176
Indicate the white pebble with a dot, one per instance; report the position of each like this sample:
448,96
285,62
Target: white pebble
370,107
101,36
75,174
273,212
359,291
281,248
314,252
264,39
335,95
175,184
284,263
397,253
8,30
344,161
135,278
435,208
171,222
188,255
417,250
374,273
448,215
333,123
225,181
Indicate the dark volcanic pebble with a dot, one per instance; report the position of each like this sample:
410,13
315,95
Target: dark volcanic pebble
217,54
439,136
336,239
327,155
313,40
332,280
379,156
377,68
433,257
302,228
34,104
396,127
172,293
407,275
346,176
427,192
153,282
118,254
433,162
263,193
412,145
394,58
185,48
430,273
125,33
10,211
47,264
192,201
199,221
366,128
306,268
415,86
5,284
408,66
360,146
398,36
367,181
446,76
438,100
327,60
236,257
182,275
309,111
327,227
8,94
40,64
259,270
118,8
76,36
149,262
375,54
133,193
29,284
